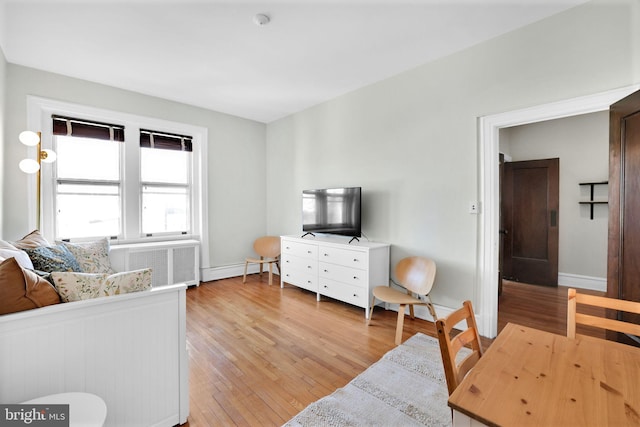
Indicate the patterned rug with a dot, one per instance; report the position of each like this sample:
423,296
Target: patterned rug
406,387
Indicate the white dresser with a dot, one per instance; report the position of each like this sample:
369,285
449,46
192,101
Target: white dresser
332,267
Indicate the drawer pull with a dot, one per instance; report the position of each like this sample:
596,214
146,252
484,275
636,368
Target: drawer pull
325,286
355,260
288,247
355,277
308,266
326,271
355,295
308,252
326,254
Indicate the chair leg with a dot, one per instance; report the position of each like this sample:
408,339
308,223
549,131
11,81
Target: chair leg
400,324
431,308
244,277
373,302
411,313
270,273
261,258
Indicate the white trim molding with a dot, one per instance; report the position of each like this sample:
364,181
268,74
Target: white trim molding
488,134
582,282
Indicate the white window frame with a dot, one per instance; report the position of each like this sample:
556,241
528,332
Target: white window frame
39,112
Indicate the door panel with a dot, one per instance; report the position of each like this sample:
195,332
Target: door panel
623,269
530,218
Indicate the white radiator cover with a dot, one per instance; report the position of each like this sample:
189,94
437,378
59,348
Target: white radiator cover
172,262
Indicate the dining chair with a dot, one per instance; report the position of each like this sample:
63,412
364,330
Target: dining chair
574,318
450,344
268,249
416,275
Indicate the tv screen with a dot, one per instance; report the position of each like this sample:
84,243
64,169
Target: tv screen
332,211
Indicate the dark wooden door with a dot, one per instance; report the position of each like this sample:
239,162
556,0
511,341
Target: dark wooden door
530,218
623,268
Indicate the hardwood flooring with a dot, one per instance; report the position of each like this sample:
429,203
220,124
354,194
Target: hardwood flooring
259,354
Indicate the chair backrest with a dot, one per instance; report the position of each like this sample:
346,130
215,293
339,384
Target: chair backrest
416,274
451,345
267,246
573,317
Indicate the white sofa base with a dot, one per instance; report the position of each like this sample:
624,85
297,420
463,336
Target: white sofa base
130,350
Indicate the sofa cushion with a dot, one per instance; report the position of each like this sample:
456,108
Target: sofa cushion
20,256
74,286
31,241
22,289
93,257
53,258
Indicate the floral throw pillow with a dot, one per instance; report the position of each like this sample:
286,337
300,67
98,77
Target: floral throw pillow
131,281
74,286
53,258
93,257
81,286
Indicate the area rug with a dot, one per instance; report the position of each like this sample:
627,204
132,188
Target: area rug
406,387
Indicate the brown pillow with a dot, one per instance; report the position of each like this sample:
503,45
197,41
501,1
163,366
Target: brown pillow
22,289
31,241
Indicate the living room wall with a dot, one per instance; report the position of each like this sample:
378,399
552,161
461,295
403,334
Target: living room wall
3,84
411,141
235,164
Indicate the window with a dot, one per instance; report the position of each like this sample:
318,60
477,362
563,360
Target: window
130,178
88,190
165,184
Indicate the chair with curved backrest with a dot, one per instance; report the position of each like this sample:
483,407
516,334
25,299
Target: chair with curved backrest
451,345
574,318
416,275
268,249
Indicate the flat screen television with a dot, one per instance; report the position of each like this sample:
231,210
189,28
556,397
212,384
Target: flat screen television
332,211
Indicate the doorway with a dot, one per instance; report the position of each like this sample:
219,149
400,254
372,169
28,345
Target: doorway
488,230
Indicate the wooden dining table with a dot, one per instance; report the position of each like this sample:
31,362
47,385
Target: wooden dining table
529,377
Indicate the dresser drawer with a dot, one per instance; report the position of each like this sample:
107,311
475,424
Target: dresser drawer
304,265
340,273
299,249
355,295
301,279
346,257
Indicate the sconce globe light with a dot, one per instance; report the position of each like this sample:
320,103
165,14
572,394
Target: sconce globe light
29,138
29,166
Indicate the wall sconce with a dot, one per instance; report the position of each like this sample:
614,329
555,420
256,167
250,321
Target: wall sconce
31,166
32,139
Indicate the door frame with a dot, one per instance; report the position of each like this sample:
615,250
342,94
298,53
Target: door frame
488,187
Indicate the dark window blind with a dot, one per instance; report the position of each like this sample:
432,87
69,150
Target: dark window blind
70,126
165,141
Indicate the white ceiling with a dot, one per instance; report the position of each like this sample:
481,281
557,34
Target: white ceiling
209,53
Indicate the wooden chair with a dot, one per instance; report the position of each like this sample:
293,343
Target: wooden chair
268,248
451,345
416,275
574,318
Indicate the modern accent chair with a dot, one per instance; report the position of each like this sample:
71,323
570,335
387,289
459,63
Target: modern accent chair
450,344
268,250
416,275
574,318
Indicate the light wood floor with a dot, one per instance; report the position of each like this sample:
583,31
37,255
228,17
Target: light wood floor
259,354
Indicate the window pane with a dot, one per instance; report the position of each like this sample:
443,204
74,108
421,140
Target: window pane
165,209
87,158
167,166
87,210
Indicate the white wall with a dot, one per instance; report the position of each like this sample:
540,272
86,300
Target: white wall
582,145
3,84
236,150
411,141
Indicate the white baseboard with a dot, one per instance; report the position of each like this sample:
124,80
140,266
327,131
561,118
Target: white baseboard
582,282
227,271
